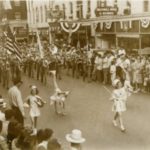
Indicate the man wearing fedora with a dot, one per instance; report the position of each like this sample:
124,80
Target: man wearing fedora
16,102
75,139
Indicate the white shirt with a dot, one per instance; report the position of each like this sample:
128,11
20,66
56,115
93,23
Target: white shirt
43,144
126,63
112,69
99,63
2,116
105,63
15,98
122,52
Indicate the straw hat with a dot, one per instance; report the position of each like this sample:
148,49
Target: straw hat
75,137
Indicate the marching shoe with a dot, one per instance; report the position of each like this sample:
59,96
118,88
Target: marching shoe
34,131
67,93
123,129
115,123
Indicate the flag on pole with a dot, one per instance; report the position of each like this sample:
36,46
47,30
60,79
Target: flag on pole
39,44
11,45
7,4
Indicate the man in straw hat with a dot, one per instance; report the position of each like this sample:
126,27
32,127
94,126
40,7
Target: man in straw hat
75,139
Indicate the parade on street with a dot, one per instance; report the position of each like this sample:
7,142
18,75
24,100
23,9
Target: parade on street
74,75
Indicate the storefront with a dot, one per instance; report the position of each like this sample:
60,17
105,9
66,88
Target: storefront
82,35
55,32
21,34
129,32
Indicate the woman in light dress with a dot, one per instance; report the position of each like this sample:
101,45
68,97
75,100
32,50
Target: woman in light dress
119,97
59,97
34,101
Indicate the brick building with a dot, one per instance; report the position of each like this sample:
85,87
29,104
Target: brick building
16,17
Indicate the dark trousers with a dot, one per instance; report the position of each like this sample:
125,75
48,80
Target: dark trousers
18,115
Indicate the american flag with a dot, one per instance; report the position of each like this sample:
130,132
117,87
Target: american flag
11,45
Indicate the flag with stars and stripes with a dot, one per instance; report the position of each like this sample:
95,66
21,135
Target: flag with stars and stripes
11,45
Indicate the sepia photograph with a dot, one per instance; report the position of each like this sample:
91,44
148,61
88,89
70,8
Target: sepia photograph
74,74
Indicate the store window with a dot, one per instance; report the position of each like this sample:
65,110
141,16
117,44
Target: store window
17,15
17,2
146,4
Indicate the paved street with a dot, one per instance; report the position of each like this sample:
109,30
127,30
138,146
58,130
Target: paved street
89,110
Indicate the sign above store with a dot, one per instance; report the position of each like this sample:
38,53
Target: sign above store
104,11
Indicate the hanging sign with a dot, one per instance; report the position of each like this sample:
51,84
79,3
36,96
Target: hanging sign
105,11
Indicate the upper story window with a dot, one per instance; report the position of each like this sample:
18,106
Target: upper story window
64,8
33,19
101,3
17,15
71,8
88,5
88,9
98,3
146,4
17,2
37,15
79,9
41,14
45,13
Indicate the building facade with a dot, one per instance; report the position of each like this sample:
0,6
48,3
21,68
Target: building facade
16,16
104,23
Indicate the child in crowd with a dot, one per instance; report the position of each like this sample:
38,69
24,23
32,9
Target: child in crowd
59,97
34,101
3,142
53,144
2,108
43,136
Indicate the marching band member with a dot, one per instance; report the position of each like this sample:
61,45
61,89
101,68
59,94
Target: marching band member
119,97
59,97
34,101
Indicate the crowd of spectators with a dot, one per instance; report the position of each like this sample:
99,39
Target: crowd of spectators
86,64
